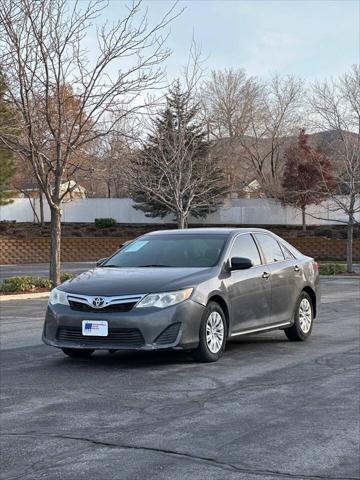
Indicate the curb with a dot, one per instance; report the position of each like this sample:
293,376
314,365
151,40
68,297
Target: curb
24,296
331,277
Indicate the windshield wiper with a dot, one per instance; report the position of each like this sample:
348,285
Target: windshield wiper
153,265
134,266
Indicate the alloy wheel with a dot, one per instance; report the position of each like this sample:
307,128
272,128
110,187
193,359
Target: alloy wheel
214,332
305,315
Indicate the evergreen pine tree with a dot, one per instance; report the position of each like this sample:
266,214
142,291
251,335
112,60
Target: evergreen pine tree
175,172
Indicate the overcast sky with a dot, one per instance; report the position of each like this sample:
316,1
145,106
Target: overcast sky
309,38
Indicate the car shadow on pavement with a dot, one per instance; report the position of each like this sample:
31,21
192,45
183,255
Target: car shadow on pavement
166,358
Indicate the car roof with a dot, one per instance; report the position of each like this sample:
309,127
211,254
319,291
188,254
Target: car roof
210,231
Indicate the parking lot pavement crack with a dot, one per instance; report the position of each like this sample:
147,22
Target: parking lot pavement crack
184,455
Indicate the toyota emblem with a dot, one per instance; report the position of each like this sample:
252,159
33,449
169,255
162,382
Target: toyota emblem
98,302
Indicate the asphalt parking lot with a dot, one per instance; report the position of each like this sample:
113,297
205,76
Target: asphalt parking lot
41,269
269,409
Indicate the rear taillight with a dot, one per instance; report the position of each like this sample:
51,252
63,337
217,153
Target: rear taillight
316,266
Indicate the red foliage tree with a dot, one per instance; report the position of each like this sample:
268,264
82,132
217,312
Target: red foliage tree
307,177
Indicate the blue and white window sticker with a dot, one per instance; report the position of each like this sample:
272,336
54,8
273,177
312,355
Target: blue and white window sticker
136,246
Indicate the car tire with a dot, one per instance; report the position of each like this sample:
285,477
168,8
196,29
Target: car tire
303,319
78,352
212,327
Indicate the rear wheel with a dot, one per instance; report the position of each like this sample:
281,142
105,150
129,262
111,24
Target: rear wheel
77,352
212,334
303,319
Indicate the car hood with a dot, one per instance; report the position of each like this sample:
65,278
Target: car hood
126,281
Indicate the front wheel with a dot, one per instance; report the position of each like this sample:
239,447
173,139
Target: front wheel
77,352
303,319
212,334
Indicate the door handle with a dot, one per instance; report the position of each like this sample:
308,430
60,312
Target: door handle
296,268
266,275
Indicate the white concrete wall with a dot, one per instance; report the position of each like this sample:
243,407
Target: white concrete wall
233,211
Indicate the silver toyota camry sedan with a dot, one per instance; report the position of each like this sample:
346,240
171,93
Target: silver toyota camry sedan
186,289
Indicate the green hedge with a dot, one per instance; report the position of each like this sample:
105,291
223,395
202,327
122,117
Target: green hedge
332,268
105,222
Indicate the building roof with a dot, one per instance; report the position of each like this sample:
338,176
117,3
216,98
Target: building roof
72,186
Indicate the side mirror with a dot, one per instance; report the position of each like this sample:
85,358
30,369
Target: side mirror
240,263
100,261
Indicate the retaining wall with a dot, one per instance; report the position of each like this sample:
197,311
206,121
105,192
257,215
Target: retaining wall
82,249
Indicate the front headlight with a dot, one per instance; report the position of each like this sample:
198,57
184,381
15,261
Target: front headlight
166,299
58,296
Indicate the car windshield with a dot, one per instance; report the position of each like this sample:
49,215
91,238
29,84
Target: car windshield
170,251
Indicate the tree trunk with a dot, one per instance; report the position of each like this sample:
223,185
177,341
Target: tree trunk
41,206
181,220
55,229
32,205
303,218
349,247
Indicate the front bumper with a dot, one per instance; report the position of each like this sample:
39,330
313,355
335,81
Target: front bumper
138,329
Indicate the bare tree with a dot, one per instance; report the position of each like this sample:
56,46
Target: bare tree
336,107
227,99
42,50
273,117
174,171
110,165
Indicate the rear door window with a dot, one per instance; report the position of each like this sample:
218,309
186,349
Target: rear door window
270,247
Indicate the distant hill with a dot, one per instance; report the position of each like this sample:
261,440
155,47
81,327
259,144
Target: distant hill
232,155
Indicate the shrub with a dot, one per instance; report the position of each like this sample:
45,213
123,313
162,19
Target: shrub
26,283
17,284
328,232
10,223
66,276
42,282
332,268
324,232
6,224
105,222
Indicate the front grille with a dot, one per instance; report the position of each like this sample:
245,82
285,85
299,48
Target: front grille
118,307
169,335
125,337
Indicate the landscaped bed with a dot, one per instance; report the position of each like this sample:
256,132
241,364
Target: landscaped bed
28,284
